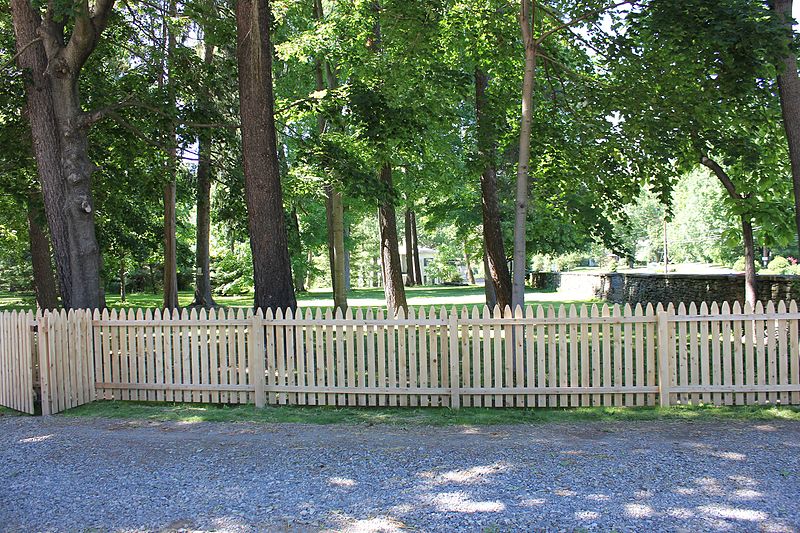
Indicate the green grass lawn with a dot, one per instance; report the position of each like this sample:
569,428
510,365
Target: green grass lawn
431,416
417,296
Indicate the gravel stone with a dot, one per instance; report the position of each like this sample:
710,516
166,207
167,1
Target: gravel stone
71,474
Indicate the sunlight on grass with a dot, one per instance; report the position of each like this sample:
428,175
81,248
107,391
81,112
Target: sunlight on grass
425,296
431,416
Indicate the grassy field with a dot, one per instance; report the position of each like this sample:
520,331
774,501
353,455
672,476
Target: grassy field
417,296
419,416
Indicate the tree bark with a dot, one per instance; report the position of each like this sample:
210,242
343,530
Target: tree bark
497,273
521,204
390,253
298,273
272,271
44,282
488,286
789,89
415,240
59,130
470,275
750,283
409,243
203,296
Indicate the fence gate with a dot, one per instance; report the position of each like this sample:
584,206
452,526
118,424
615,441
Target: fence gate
17,360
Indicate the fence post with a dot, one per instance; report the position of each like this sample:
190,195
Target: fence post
455,376
663,358
256,360
43,353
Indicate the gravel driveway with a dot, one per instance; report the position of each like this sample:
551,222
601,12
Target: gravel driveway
68,474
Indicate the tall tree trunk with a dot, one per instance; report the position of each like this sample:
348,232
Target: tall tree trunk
272,270
750,283
789,88
409,244
390,253
415,241
122,280
334,206
44,282
347,271
488,286
470,275
203,296
59,129
521,205
298,273
170,300
497,273
750,280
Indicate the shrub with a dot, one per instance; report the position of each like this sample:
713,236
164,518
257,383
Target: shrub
779,265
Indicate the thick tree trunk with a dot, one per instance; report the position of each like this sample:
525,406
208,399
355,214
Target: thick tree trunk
390,252
497,273
347,271
44,282
488,286
415,241
272,271
340,284
61,144
789,88
409,244
521,203
750,280
470,275
203,296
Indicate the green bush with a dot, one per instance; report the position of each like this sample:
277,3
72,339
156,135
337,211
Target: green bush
738,265
780,265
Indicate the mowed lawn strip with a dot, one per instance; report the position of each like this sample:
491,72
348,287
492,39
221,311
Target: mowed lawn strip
431,416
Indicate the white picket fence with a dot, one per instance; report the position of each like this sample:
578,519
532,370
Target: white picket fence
542,357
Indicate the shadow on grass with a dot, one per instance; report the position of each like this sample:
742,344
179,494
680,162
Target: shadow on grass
429,416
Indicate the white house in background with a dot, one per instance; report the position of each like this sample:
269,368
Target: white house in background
426,255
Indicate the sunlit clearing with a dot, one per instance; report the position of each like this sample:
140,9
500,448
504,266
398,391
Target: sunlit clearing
459,502
721,511
341,482
35,439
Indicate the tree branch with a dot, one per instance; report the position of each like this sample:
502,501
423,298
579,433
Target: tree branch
581,18
722,175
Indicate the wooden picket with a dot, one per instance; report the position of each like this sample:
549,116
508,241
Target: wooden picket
555,357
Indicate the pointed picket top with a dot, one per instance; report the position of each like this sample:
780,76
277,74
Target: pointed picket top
737,307
400,314
475,314
486,313
496,311
70,314
432,313
604,310
529,311
370,315
562,311
289,313
671,308
212,314
540,311
626,310
782,306
306,313
747,308
165,315
507,312
96,314
770,307
638,311
422,315
792,306
443,313
337,313
573,312
726,308
348,314
714,308
759,307
692,308
148,314
328,314
681,308
412,315
359,314
193,313
113,315
616,310
703,308
518,313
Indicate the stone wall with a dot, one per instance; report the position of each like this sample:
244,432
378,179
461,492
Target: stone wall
633,288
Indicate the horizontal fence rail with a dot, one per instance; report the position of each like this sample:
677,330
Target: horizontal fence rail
569,356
